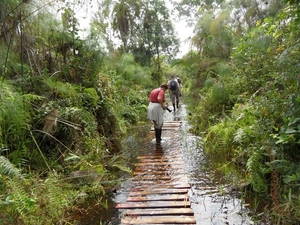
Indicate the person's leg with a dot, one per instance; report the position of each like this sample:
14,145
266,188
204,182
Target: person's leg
177,98
173,99
157,132
159,129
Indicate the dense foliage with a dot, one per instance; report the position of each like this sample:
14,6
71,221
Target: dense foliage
243,86
66,103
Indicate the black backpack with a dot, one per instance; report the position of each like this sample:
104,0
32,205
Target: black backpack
173,85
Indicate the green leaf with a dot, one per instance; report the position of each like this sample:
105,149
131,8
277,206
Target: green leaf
290,130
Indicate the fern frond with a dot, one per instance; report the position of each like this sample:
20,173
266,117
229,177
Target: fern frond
257,172
238,136
32,97
118,162
22,202
7,168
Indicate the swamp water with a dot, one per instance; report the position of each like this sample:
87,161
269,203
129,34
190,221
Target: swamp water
212,204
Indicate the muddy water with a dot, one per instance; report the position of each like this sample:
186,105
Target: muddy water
211,201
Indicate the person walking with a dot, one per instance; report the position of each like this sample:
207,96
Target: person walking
174,92
156,109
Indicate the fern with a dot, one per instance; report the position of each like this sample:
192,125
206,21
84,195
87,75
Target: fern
118,162
257,172
22,202
32,97
7,168
238,136
56,198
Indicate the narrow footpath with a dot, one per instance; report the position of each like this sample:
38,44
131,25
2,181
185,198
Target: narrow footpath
159,191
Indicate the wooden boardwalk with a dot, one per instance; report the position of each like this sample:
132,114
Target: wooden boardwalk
159,192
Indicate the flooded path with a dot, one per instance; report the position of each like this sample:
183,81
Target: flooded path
211,201
159,189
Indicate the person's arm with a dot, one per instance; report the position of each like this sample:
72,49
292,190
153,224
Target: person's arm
161,103
160,100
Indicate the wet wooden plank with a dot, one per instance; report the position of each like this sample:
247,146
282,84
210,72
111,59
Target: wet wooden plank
158,177
157,204
166,156
159,220
158,212
156,224
158,186
172,125
171,159
162,182
159,191
166,172
169,184
154,177
170,197
162,168
159,163
168,128
160,157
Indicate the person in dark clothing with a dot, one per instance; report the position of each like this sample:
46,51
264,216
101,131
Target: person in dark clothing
156,109
174,92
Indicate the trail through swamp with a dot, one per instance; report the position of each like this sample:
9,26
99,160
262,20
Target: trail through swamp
213,201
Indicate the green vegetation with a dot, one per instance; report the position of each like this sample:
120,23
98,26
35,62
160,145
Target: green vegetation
244,91
66,102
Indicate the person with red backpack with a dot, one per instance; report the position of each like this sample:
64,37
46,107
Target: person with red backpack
174,88
156,109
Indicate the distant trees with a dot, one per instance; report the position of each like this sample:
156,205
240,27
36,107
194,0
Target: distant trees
144,28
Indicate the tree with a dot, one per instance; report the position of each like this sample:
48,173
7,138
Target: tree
125,14
144,28
157,33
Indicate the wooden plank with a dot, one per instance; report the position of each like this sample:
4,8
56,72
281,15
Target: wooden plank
165,172
159,191
158,166
167,128
158,177
159,220
152,178
159,212
171,197
160,157
163,182
155,224
159,163
178,156
149,167
171,159
157,204
159,186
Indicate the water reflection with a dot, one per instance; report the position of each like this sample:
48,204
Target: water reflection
210,201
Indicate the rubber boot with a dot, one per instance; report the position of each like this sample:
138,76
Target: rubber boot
174,107
157,135
177,104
